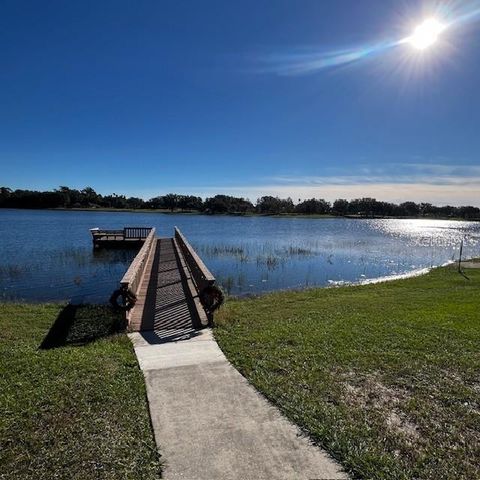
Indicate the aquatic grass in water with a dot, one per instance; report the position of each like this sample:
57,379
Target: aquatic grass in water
12,271
48,255
322,259
223,250
269,261
238,252
270,257
292,250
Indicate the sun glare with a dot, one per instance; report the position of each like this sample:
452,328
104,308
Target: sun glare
426,34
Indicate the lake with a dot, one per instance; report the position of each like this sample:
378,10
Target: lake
48,255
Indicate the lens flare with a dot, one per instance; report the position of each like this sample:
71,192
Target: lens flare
453,15
426,34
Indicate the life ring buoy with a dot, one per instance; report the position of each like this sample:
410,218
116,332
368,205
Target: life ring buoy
212,298
128,299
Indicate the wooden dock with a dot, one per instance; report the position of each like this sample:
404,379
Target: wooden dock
173,288
128,236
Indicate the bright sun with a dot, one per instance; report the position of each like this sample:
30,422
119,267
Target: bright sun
426,34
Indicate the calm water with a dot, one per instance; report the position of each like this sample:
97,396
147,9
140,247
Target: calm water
48,255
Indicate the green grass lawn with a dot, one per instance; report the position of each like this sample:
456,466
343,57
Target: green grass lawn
386,377
71,412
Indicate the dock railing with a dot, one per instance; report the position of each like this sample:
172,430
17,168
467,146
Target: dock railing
136,232
97,234
133,276
200,273
128,234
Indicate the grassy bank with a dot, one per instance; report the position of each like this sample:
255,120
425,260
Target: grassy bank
254,214
385,377
76,411
193,212
128,210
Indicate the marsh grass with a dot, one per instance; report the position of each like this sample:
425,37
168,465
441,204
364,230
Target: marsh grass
266,255
76,257
223,250
299,251
311,261
384,376
12,271
271,262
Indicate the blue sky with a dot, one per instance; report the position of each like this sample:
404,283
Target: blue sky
290,98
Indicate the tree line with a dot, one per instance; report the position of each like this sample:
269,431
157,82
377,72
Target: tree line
65,197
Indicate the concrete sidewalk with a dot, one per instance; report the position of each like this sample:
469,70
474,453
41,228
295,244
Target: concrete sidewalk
210,423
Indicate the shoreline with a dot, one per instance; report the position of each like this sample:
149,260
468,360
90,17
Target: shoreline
381,366
333,284
419,272
314,216
345,284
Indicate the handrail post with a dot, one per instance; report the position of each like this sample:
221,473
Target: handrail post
134,274
201,275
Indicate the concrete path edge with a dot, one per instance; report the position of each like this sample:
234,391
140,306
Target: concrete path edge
210,423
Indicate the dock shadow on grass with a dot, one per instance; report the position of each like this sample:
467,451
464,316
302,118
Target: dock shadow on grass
82,324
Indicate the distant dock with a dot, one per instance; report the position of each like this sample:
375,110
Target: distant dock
128,236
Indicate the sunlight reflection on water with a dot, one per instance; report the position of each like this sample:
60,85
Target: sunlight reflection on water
47,255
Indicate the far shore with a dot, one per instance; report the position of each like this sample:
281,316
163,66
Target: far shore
248,214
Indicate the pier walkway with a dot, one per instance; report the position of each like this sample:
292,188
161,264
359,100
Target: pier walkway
168,279
209,423
164,301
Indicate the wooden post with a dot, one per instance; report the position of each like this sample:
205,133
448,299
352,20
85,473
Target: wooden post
460,257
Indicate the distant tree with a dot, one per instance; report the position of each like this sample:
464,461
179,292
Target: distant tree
135,202
71,196
426,209
227,204
155,203
217,204
65,192
114,201
274,205
447,211
313,206
31,199
243,205
89,197
190,202
367,207
409,209
5,194
469,213
340,206
386,209
47,200
364,207
170,201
